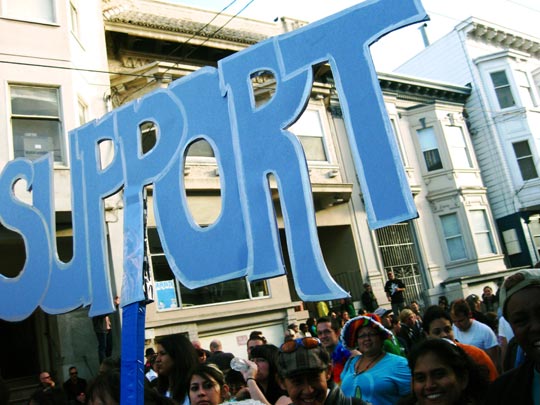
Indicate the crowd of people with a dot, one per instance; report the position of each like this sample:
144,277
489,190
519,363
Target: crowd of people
444,354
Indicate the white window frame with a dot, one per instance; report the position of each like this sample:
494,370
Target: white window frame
429,145
508,86
304,129
526,92
74,20
457,147
483,236
528,158
452,237
24,7
395,127
58,118
82,109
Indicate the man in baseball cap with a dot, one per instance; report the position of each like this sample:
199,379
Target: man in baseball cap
520,301
304,370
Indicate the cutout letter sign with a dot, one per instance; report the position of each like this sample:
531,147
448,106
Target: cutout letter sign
250,143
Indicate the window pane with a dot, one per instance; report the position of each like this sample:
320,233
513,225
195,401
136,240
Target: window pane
458,148
309,131
450,225
427,139
308,123
527,168
34,138
36,101
430,148
502,89
313,148
504,95
38,10
454,239
200,148
499,78
522,149
525,90
482,232
172,294
456,249
232,290
259,289
525,160
433,160
165,284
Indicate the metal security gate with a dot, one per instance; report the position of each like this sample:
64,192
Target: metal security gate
398,253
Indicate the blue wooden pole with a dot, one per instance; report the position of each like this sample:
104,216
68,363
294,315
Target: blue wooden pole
132,366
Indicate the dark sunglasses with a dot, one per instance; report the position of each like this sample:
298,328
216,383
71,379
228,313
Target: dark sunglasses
307,342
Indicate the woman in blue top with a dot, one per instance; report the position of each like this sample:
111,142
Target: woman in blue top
375,376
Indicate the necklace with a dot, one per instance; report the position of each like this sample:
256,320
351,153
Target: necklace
371,363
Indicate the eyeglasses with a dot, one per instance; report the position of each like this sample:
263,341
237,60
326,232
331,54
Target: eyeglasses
307,342
73,373
370,335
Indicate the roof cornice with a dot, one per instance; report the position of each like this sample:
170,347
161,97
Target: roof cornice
416,88
500,36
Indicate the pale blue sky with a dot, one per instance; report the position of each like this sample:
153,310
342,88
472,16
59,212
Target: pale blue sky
394,49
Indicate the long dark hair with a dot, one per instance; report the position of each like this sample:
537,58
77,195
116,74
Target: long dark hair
462,365
180,349
270,354
209,372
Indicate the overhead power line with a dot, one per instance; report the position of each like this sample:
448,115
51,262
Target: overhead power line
74,69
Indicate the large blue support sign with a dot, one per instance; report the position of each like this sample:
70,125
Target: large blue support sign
250,143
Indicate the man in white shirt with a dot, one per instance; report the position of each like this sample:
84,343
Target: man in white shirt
471,332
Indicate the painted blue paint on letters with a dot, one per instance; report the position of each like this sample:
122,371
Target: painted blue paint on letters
251,142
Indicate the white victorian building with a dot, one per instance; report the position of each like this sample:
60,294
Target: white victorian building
502,68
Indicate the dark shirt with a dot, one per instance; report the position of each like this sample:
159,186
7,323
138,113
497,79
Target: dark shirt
369,302
221,359
513,387
396,297
73,389
45,395
411,336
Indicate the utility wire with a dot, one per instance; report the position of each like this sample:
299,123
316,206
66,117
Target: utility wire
208,37
75,69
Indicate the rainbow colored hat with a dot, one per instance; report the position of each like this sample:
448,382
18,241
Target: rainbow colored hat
349,331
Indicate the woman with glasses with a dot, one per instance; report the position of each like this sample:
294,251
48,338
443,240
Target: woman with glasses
207,386
175,357
375,376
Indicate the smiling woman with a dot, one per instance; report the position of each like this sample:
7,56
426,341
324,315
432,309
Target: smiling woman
376,376
442,373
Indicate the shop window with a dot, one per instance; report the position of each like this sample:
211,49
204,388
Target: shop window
36,122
